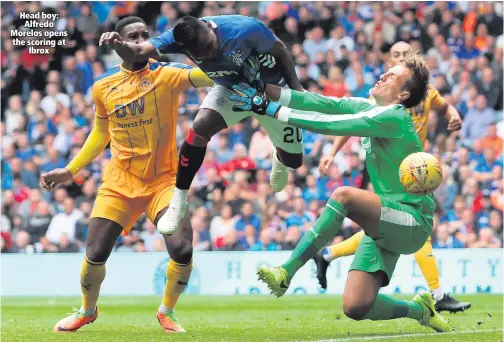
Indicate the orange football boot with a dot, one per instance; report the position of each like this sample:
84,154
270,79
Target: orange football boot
74,322
169,323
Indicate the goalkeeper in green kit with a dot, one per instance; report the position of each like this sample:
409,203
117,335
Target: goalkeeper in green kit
394,221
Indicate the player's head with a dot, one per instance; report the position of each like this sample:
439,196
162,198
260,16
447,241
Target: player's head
132,29
196,37
405,83
398,52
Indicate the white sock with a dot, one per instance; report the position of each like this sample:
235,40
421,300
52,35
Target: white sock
326,254
438,294
179,196
164,310
87,312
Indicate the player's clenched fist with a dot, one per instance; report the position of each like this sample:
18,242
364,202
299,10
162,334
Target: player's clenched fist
325,163
111,39
455,123
53,178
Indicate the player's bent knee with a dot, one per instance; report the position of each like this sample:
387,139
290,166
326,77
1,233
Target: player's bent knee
356,311
207,123
342,195
180,250
96,254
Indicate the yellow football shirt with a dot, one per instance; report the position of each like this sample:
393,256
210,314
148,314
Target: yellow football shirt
420,114
142,109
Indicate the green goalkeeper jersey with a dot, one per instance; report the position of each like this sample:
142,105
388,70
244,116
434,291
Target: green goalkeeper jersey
387,134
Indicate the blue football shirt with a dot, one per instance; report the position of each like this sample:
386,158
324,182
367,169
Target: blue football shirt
238,36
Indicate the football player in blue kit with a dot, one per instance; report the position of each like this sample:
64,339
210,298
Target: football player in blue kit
220,46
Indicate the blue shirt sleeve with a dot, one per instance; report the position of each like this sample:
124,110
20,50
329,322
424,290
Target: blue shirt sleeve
165,43
259,37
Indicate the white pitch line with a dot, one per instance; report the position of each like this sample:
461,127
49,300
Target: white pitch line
386,337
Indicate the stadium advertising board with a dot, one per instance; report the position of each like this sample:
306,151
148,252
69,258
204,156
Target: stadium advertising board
233,273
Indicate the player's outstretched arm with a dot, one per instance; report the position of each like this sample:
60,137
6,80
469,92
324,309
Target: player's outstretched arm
449,112
128,51
379,122
287,69
316,103
372,121
94,145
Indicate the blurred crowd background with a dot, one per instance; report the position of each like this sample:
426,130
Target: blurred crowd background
340,49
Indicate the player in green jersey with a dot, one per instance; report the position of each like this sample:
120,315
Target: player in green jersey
394,221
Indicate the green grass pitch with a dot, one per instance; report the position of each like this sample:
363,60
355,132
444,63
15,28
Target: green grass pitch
239,318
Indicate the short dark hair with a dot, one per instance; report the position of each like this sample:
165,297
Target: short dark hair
418,84
187,29
126,21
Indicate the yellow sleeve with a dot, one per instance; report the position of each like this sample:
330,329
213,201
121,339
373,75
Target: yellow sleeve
97,139
199,79
437,101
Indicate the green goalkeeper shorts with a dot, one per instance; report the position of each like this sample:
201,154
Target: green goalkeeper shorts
403,230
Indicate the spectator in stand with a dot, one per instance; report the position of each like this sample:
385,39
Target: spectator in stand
65,246
87,23
54,161
72,78
351,73
492,140
338,40
301,218
22,244
362,89
202,234
223,153
315,42
230,242
260,148
486,239
495,223
24,150
150,236
53,97
88,192
82,225
292,237
220,227
30,205
265,243
490,87
247,218
64,223
477,120
445,240
483,171
468,51
14,114
240,160
86,69
335,84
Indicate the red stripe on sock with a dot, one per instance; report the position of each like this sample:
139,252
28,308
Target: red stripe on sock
195,139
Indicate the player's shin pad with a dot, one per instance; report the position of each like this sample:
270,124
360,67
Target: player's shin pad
385,308
92,275
177,277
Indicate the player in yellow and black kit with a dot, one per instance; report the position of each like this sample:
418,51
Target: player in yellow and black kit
425,256
136,110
